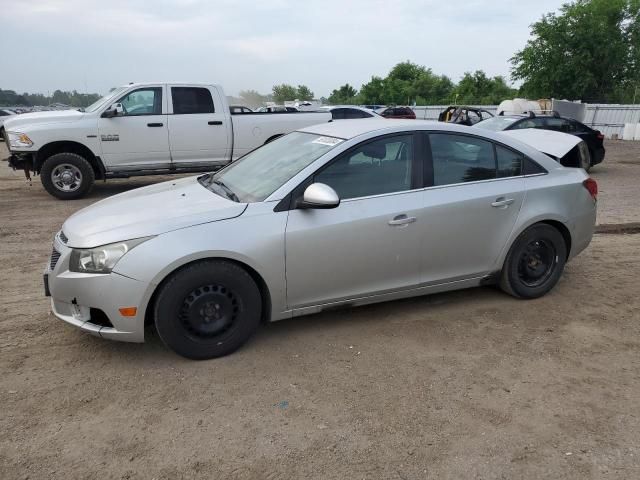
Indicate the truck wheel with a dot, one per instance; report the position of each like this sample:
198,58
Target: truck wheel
67,176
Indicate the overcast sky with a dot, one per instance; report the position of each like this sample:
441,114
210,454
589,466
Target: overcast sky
92,45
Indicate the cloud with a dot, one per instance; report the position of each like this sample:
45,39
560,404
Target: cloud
254,44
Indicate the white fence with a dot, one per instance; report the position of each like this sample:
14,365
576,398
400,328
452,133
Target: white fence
610,119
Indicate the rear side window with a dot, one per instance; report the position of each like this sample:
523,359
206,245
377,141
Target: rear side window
337,114
530,167
460,159
189,100
353,113
509,162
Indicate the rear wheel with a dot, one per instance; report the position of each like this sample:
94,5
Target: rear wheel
2,134
535,262
208,309
67,176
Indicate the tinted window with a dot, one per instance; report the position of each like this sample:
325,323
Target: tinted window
381,166
353,113
3,114
458,159
529,123
145,101
509,162
191,100
557,124
337,113
531,168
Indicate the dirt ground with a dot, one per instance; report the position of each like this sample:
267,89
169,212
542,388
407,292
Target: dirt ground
470,384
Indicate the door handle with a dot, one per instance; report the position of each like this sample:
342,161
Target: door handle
502,202
154,124
400,220
214,122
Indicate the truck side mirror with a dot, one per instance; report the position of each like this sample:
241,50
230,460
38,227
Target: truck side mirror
114,110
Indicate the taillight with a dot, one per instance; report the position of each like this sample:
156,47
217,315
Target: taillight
592,187
599,135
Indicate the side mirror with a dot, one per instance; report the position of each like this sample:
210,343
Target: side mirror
113,111
318,195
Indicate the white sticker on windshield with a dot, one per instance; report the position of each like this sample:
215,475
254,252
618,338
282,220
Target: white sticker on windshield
331,141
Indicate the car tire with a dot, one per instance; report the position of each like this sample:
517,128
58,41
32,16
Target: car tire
67,176
208,309
2,135
534,263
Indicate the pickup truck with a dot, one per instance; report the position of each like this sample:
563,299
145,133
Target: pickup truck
141,129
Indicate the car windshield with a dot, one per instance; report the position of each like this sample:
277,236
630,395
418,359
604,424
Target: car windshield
261,172
102,101
496,124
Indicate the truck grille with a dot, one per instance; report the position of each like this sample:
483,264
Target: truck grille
55,256
63,237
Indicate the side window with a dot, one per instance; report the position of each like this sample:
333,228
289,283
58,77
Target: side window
353,113
381,166
337,114
557,124
459,159
509,162
529,123
189,100
3,114
145,101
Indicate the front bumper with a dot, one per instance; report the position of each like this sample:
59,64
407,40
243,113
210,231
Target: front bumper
91,302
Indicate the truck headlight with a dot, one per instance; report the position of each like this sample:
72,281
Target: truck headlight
20,140
101,259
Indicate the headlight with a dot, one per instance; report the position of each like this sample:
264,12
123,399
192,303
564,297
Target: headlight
101,259
17,139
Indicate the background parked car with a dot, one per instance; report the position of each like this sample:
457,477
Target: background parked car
464,115
277,109
397,112
593,138
235,109
4,113
346,112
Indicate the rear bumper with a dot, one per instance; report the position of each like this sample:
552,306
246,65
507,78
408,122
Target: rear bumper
582,231
597,156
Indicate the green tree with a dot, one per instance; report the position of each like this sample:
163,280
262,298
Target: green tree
344,95
284,92
304,93
372,92
589,51
477,88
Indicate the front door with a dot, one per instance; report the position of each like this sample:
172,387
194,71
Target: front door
198,128
470,210
138,138
369,244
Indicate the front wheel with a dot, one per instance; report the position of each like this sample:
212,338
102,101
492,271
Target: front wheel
67,176
208,309
534,262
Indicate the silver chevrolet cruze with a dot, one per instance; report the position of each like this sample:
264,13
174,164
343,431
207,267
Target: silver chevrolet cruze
338,214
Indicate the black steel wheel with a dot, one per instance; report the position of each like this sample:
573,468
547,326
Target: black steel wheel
208,309
535,262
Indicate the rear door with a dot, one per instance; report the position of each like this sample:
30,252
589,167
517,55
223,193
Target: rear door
475,195
198,129
138,138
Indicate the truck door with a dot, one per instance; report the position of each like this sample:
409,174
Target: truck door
198,127
137,139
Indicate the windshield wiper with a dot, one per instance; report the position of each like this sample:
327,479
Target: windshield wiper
230,193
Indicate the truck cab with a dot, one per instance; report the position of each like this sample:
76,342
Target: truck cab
140,129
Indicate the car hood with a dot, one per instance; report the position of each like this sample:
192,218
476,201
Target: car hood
57,116
148,211
552,143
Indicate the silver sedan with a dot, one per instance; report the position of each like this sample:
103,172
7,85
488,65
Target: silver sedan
339,214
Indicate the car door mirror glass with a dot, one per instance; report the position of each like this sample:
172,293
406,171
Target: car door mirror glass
318,195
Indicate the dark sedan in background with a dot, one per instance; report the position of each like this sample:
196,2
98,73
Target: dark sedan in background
593,138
